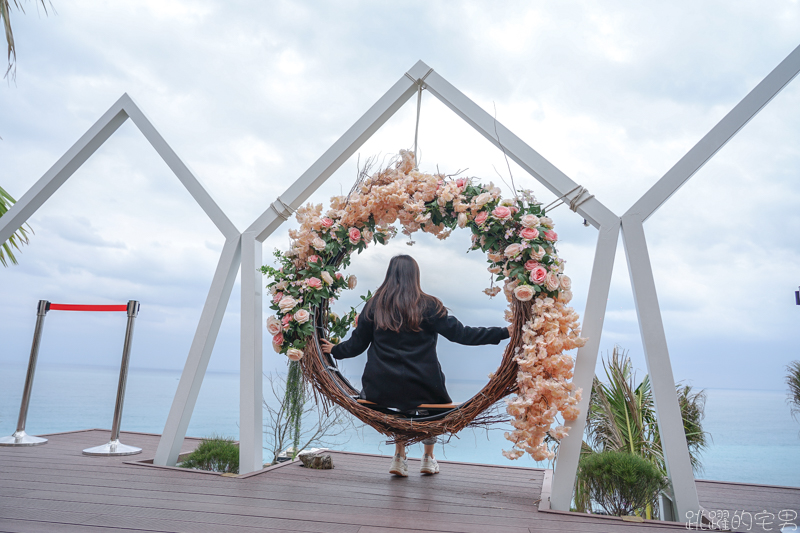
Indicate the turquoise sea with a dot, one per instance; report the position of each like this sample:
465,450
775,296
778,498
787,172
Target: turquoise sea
755,439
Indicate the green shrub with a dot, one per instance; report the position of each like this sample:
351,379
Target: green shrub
216,454
621,483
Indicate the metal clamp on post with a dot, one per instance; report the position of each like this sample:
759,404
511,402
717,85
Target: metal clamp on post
114,446
20,438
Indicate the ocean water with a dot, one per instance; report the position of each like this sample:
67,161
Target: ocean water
754,438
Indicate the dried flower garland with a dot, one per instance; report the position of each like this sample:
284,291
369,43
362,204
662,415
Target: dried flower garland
520,245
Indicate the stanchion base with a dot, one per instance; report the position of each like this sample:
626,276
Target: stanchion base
113,447
20,438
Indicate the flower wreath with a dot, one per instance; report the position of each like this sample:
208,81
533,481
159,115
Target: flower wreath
519,241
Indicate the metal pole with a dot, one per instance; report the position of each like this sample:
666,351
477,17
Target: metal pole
20,438
114,446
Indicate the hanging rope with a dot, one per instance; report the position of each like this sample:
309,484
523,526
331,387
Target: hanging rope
420,86
574,202
287,209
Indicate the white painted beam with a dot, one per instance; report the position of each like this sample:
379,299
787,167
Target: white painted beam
659,368
60,172
169,446
569,450
719,135
540,168
336,155
251,395
179,168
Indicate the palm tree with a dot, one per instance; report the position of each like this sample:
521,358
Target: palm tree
19,237
622,417
793,380
5,10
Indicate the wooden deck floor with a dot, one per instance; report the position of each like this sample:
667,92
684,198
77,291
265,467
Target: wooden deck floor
55,488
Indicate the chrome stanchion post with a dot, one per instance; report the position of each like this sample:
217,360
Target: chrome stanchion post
114,446
20,438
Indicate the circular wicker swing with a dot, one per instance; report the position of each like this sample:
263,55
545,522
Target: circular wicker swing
328,382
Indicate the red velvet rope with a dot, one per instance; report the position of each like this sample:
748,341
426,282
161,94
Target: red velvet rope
80,307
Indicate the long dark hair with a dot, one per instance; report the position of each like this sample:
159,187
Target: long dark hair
399,303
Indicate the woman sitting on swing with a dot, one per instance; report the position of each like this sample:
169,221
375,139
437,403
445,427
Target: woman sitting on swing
400,324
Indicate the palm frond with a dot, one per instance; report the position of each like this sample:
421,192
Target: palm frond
5,11
19,237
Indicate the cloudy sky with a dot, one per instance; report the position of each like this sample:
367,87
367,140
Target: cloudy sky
250,94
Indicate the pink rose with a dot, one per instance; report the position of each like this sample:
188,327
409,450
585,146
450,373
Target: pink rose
314,283
302,316
512,250
313,258
529,233
530,264
524,293
501,212
326,222
339,275
461,183
538,274
355,235
551,281
481,218
285,320
294,354
355,321
273,325
551,235
530,221
277,297
277,339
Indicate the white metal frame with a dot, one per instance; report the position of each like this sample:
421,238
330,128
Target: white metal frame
246,248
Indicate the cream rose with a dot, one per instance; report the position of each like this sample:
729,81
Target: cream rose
564,296
537,252
318,244
273,325
302,316
482,199
294,354
512,250
529,221
566,283
546,221
327,278
462,220
287,303
551,281
352,281
524,293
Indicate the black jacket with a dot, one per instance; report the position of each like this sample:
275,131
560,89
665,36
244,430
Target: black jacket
402,369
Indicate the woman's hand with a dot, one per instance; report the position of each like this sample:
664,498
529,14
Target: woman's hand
326,345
